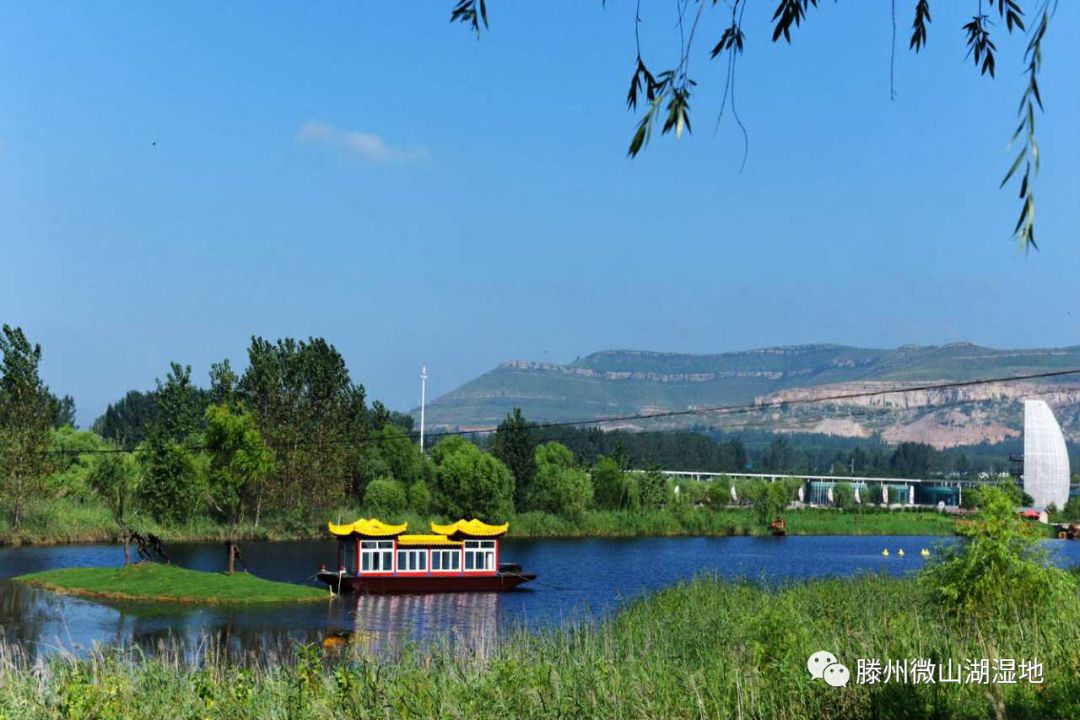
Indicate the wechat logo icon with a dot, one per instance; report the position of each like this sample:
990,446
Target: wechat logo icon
823,665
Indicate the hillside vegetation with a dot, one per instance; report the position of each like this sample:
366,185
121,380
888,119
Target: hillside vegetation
622,382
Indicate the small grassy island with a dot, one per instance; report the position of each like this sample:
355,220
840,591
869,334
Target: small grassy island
154,582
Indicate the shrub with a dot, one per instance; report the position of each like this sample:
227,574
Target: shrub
610,487
419,497
385,495
1001,567
653,489
844,495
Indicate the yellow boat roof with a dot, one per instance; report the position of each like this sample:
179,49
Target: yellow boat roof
472,528
427,540
369,527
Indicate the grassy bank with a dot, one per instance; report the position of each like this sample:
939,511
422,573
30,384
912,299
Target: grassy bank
65,521
703,649
168,583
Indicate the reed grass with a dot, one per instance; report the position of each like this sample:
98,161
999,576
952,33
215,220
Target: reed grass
702,649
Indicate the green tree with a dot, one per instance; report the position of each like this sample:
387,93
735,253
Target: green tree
1000,570
770,500
914,460
115,477
515,446
222,383
560,486
173,484
471,483
74,453
654,492
610,488
311,415
385,496
126,421
240,462
27,414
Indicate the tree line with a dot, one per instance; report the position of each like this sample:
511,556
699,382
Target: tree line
293,436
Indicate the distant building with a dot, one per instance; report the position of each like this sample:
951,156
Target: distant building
1046,459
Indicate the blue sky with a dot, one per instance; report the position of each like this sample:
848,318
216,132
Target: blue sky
369,173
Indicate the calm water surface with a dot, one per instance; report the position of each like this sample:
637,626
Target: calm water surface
578,580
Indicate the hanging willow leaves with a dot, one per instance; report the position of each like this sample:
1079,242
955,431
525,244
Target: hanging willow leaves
1028,157
668,93
470,12
918,28
788,13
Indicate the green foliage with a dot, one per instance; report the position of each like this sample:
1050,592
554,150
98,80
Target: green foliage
470,483
115,477
560,486
127,421
1000,569
240,462
391,452
27,414
770,499
311,415
174,485
1071,511
914,460
611,486
515,446
419,497
74,454
844,495
174,481
385,496
653,489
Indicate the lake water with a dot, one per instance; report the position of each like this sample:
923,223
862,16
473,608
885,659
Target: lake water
579,580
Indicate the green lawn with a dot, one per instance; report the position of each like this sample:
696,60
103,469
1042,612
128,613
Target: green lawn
168,583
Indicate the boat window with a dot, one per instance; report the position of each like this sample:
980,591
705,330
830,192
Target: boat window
479,554
376,556
445,560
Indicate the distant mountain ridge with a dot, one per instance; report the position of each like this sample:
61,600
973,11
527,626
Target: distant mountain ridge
626,382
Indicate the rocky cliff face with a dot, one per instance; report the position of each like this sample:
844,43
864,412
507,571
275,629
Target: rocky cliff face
622,382
943,418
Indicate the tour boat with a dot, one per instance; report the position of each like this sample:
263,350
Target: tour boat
377,558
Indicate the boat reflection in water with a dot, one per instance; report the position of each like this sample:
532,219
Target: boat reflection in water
389,624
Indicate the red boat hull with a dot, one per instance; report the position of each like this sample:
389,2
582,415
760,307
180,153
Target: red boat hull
415,585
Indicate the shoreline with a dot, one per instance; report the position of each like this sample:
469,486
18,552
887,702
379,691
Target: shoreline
67,523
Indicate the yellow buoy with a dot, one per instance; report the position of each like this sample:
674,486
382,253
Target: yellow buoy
900,552
885,552
924,552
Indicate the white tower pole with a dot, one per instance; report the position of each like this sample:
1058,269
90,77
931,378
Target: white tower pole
423,390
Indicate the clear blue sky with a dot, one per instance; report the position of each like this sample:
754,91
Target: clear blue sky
369,173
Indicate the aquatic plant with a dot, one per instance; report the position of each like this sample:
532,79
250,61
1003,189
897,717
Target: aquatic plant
703,648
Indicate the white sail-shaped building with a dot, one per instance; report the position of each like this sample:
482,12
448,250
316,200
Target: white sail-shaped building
1046,459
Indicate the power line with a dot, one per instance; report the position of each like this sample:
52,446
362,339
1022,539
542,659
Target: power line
715,410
